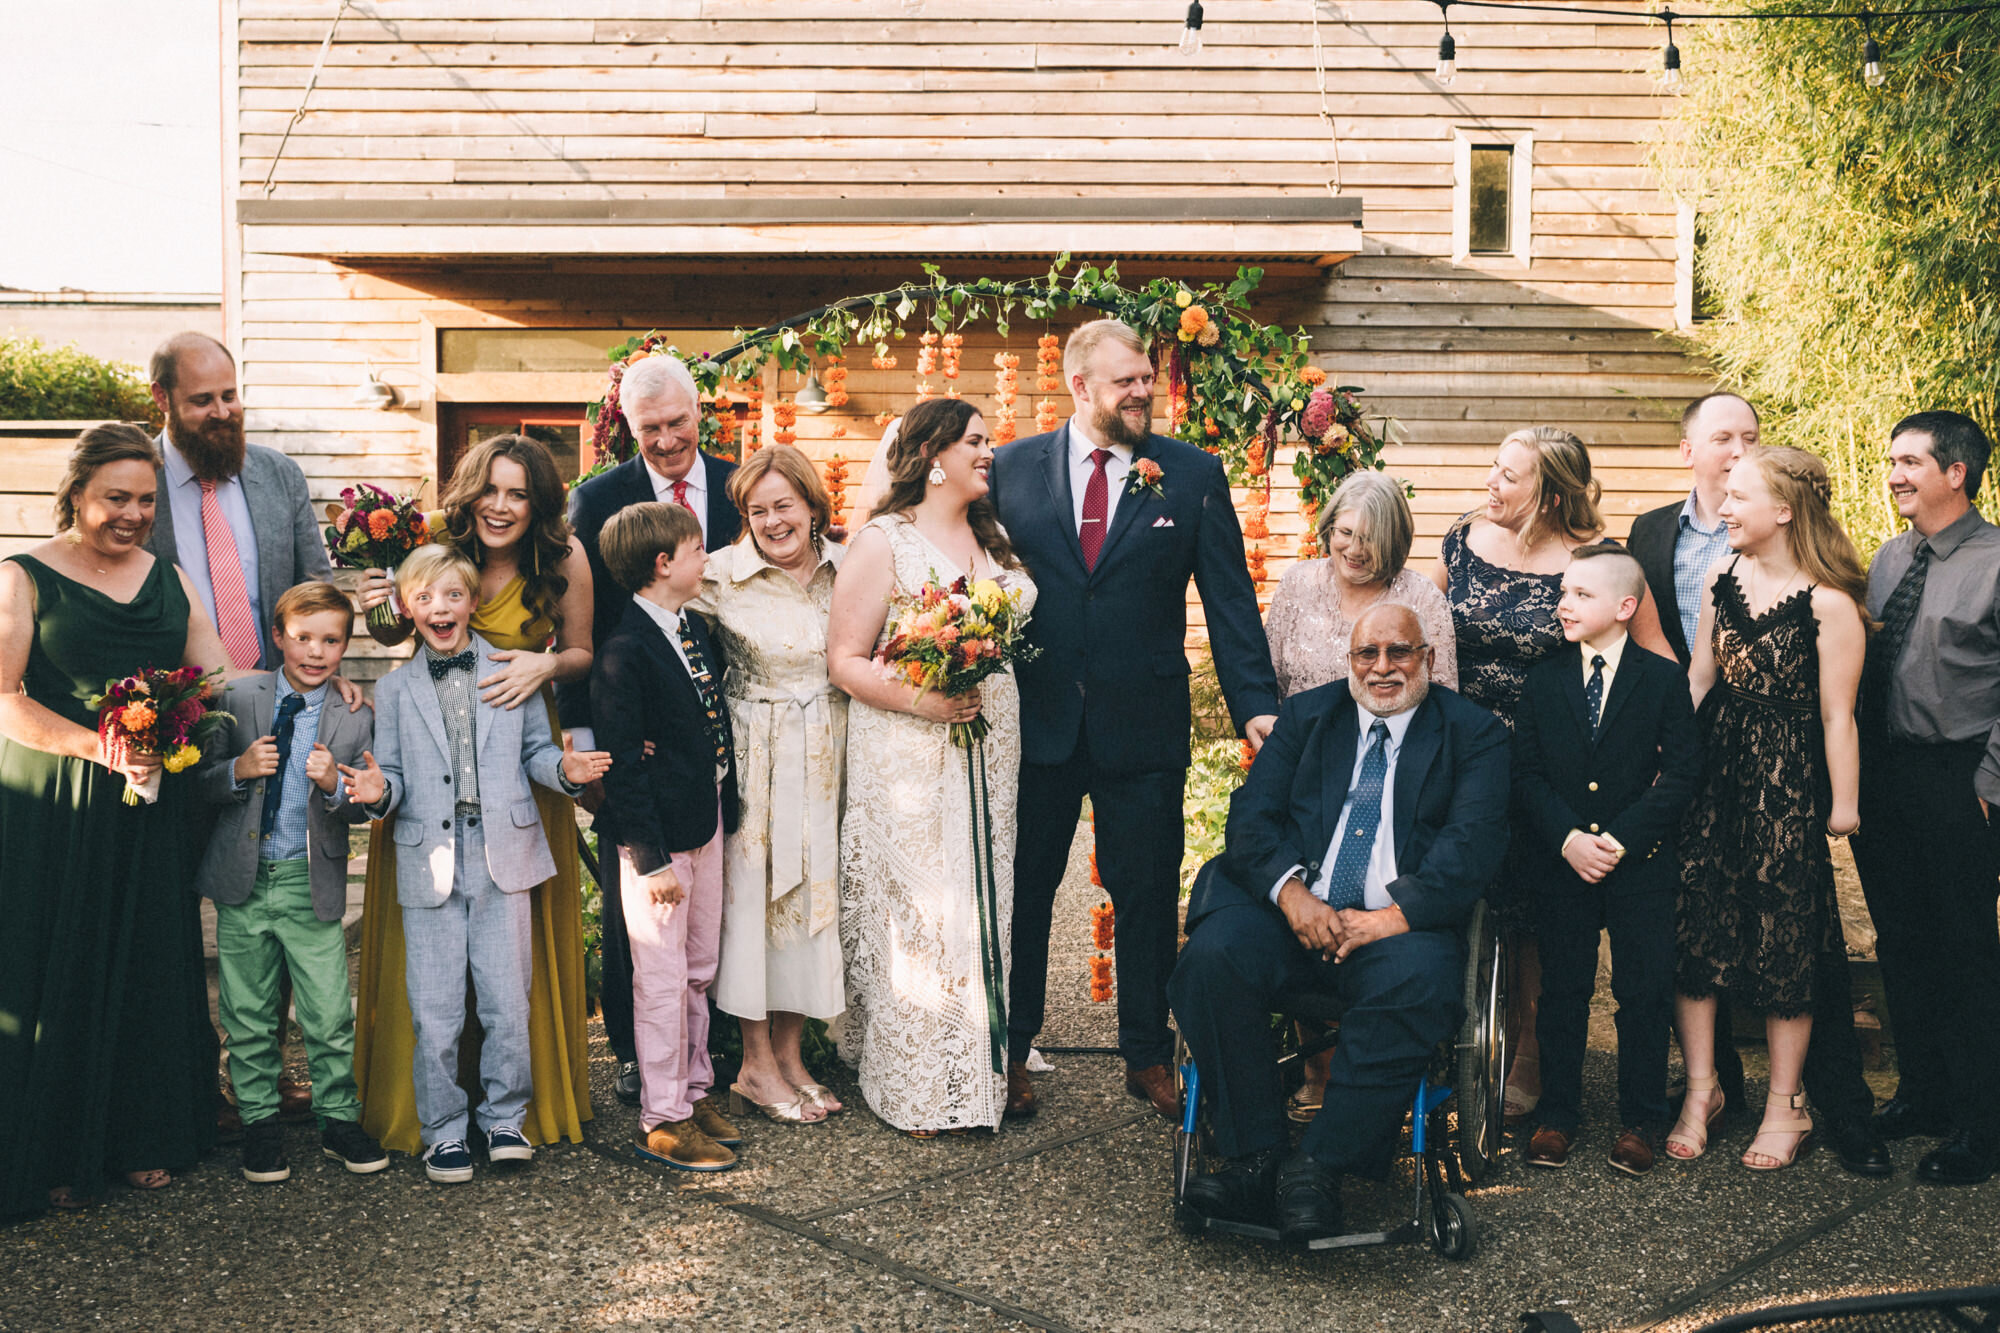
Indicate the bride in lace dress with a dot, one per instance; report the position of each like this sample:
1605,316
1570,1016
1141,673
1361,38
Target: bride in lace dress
926,970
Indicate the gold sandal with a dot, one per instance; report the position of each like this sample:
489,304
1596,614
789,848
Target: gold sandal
1696,1143
819,1095
792,1112
1800,1124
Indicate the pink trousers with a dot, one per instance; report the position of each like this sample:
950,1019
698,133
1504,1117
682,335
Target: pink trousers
674,954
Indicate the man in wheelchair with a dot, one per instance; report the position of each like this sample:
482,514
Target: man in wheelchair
1370,825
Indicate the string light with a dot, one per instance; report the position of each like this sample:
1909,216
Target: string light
1447,66
1670,70
1191,34
1871,56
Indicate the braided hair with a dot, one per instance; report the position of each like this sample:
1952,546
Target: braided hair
1824,553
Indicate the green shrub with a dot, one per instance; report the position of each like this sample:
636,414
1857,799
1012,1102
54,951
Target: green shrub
43,383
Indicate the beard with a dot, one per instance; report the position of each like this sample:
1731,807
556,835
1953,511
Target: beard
1414,692
214,451
1107,423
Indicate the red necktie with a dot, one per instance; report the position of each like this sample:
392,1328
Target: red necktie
681,495
225,580
1096,498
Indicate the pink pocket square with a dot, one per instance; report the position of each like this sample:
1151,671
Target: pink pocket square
1163,522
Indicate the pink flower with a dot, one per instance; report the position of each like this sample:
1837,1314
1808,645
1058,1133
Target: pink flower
1318,417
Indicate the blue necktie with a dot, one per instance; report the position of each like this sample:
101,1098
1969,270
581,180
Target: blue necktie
1593,695
274,786
1364,815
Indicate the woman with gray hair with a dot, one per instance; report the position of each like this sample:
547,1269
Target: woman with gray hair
1366,530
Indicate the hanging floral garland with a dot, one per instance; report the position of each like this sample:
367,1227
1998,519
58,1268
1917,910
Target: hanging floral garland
835,381
1102,928
1006,383
836,490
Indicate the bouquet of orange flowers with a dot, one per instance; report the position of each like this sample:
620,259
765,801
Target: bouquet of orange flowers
157,712
372,529
949,637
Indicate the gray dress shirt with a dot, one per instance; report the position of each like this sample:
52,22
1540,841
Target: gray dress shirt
1946,685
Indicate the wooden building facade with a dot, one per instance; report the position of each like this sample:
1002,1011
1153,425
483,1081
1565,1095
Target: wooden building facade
471,199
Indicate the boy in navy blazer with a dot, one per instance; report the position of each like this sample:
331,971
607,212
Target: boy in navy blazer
656,696
1605,762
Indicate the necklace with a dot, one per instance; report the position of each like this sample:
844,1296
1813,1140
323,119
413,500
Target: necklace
1755,571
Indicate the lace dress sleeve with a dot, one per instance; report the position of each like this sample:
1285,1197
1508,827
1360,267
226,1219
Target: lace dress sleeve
1434,614
1283,628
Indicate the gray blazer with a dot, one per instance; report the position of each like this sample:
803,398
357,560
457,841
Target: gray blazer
513,749
290,547
229,866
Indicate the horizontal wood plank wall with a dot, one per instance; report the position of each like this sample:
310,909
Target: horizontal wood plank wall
479,99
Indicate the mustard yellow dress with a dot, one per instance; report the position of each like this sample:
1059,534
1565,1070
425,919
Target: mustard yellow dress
558,1036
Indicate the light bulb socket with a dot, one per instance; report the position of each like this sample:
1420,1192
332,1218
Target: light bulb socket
1447,50
1871,63
1194,16
1673,65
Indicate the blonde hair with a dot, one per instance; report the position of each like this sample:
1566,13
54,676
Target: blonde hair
1386,529
1566,494
1087,338
1821,548
114,442
309,599
430,565
636,536
797,470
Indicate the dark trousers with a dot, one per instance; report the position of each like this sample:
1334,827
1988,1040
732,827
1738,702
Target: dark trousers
614,988
1930,867
1642,982
1401,996
1139,837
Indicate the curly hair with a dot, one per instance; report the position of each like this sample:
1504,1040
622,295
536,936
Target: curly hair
546,544
928,429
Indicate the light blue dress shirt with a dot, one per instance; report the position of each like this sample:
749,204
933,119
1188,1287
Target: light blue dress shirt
288,835
190,539
1696,549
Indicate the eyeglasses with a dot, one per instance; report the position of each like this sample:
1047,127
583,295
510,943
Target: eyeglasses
1400,655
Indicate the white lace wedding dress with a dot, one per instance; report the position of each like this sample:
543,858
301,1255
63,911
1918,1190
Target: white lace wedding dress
926,966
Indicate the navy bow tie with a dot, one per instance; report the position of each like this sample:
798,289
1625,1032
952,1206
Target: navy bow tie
441,665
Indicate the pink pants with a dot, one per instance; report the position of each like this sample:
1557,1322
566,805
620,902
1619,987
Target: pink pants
674,954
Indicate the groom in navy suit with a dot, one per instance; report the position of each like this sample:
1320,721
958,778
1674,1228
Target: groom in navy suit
1113,521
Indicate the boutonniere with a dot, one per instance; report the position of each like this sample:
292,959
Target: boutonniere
1145,476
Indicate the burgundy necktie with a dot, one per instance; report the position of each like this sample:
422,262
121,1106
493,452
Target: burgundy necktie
1096,495
681,495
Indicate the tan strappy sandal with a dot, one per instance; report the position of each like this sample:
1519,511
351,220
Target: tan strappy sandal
797,1111
1687,1135
1800,1124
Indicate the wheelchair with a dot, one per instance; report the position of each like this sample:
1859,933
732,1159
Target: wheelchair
1452,1149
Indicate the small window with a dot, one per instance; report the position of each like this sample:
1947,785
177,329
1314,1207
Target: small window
1705,305
1489,229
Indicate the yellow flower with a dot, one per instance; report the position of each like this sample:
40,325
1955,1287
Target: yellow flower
1298,404
185,757
988,594
1184,299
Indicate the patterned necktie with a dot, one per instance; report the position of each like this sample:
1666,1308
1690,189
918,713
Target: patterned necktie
1593,694
274,786
1364,816
1096,499
704,684
681,495
442,666
1898,613
233,617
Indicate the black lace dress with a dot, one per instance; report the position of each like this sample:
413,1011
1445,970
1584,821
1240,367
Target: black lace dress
1757,904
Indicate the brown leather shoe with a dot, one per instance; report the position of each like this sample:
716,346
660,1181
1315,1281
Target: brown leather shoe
1633,1153
681,1143
1156,1084
1549,1147
1021,1103
295,1099
709,1119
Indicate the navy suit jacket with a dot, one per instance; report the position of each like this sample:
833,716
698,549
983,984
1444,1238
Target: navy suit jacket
1633,781
1450,817
1113,667
590,505
663,802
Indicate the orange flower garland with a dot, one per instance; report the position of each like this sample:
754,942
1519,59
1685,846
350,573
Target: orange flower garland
753,422
927,353
1048,364
1006,383
1258,525
1102,930
1255,463
1309,544
836,487
1045,415
883,362
835,382
954,346
785,415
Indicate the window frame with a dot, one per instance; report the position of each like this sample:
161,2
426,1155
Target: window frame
1521,203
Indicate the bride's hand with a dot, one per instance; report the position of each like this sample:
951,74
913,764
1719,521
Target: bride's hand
948,708
375,587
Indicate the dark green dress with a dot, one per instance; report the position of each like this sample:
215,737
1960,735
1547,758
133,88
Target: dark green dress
107,1056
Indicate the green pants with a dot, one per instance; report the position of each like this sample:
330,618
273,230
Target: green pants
276,922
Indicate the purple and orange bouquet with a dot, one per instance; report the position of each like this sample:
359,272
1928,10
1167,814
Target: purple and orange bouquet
372,529
161,712
949,637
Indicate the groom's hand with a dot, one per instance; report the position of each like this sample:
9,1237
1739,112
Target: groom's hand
1258,730
1316,926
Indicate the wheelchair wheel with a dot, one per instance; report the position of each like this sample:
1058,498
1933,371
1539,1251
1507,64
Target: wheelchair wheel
1452,1233
1482,1050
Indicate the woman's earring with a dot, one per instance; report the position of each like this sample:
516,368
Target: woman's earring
937,474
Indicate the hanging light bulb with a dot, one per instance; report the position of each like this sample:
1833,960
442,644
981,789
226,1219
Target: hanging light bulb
1871,64
1670,69
1191,34
1447,66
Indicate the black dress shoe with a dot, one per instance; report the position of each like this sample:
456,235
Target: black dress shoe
1966,1158
1308,1200
627,1086
1901,1119
1240,1192
1860,1146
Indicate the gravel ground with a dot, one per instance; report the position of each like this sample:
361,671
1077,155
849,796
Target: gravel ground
1062,1223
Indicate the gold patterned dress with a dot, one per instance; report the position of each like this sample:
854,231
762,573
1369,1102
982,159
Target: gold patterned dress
781,868
558,1035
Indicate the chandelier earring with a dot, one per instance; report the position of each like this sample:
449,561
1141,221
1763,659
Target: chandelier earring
937,473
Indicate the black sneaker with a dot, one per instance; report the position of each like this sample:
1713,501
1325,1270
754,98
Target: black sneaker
504,1143
347,1143
448,1162
1243,1190
264,1153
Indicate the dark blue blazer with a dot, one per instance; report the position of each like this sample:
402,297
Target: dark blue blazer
663,802
590,505
1633,781
1450,817
1113,666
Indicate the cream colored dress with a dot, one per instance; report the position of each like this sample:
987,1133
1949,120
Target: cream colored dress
926,970
781,868
1309,635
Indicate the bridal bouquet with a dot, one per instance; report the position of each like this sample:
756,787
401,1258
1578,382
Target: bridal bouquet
949,637
158,712
372,529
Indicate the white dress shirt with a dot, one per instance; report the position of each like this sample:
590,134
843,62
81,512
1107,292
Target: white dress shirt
1612,653
697,493
1382,856
1116,469
191,540
669,623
